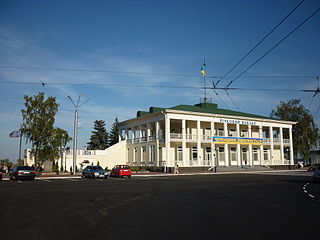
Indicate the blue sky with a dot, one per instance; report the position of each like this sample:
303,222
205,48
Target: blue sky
165,37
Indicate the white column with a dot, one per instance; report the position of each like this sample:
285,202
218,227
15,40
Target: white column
167,141
226,155
281,146
183,131
250,146
140,133
238,147
141,155
199,144
213,158
271,145
226,150
148,131
133,134
291,146
157,144
225,129
261,146
133,155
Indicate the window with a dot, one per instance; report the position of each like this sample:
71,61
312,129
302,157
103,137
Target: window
232,133
220,132
244,133
244,155
265,154
179,154
233,154
208,153
221,154
194,153
255,154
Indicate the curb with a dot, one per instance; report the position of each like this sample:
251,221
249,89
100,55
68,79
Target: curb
170,174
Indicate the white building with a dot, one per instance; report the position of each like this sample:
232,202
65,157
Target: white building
192,136
105,158
204,135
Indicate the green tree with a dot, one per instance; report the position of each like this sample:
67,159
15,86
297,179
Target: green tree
5,162
38,127
99,137
114,133
305,133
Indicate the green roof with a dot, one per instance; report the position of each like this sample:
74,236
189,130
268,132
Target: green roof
202,108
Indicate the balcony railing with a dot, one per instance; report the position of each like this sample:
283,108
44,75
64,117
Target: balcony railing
175,135
192,137
206,137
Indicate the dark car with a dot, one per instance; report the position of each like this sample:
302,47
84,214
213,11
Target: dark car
94,172
121,171
316,174
22,173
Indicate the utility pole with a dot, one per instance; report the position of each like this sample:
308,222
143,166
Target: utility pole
75,130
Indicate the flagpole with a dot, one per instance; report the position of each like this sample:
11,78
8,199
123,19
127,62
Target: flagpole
204,80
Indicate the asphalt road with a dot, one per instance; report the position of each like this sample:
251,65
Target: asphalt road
184,207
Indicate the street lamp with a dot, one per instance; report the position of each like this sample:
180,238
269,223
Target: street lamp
75,130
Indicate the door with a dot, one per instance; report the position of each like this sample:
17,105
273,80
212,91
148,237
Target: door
207,156
244,156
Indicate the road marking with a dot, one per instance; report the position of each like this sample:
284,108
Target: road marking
19,181
306,192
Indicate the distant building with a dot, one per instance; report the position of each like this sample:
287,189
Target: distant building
204,135
106,158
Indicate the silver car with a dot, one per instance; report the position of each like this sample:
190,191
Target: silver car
316,175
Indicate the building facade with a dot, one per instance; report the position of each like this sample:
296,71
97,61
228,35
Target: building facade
205,136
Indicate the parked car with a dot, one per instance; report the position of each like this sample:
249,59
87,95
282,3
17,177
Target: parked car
94,172
316,175
121,171
22,173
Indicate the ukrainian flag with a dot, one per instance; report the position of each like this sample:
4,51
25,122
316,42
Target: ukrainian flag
203,71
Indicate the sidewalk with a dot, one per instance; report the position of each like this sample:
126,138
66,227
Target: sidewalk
6,177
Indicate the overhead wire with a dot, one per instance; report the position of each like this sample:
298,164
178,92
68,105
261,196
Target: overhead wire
277,44
252,49
96,71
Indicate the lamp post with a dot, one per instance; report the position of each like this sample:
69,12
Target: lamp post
75,130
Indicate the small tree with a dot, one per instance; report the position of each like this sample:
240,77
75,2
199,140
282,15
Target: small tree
99,137
38,127
114,133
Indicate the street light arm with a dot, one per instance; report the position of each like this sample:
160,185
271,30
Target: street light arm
72,102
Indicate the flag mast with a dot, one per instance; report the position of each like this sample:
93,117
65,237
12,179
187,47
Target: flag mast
203,73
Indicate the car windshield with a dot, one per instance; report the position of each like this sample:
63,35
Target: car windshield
97,168
24,168
125,167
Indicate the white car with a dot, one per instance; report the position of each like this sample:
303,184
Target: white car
316,175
